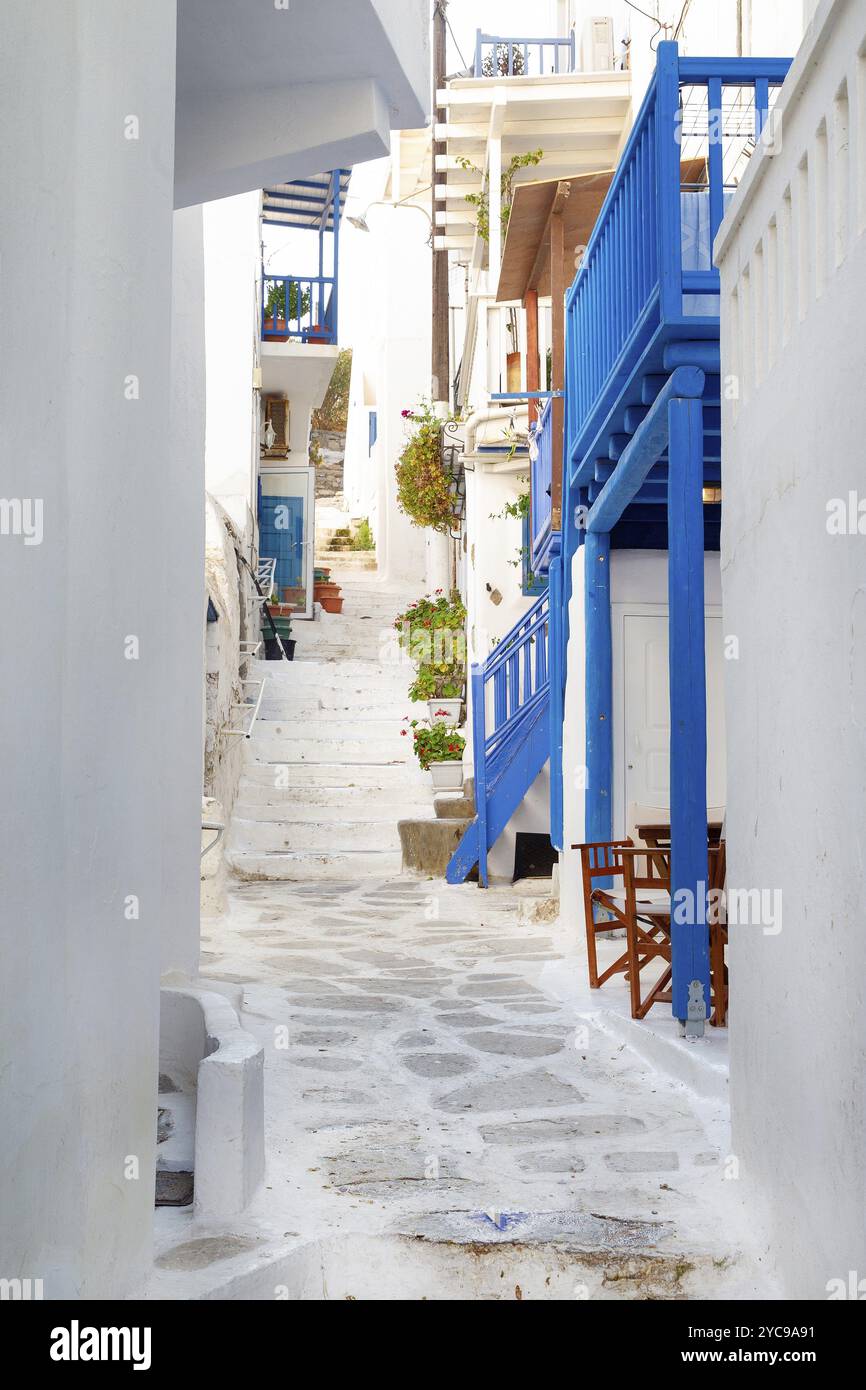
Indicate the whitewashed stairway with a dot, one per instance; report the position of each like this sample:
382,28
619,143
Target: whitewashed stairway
328,773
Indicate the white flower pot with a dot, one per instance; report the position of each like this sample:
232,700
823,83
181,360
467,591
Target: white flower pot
451,715
447,776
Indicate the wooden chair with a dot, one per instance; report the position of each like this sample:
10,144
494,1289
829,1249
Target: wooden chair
718,938
641,905
609,860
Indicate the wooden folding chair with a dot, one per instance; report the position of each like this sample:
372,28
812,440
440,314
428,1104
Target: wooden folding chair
601,860
718,938
647,912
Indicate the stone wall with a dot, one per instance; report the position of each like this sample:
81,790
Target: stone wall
329,473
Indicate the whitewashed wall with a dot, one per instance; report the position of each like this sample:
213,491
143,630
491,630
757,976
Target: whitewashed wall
391,373
793,260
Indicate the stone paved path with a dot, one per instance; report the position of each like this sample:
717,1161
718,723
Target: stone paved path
438,1083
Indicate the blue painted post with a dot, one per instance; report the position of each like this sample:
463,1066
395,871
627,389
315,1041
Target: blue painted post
479,54
335,302
668,150
715,159
479,759
688,754
557,712
599,681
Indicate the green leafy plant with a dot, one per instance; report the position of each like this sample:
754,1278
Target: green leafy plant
275,308
423,493
363,537
493,65
435,743
432,631
481,201
333,413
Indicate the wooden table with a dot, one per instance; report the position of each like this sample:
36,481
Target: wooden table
658,837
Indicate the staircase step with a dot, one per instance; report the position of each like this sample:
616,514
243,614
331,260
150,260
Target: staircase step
313,730
273,748
296,775
338,805
306,866
428,844
270,837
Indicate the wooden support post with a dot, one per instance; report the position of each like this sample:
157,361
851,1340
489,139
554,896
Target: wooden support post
533,377
690,956
558,287
599,681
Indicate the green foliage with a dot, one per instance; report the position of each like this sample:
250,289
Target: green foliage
436,743
363,537
275,307
497,66
422,483
432,633
333,413
481,201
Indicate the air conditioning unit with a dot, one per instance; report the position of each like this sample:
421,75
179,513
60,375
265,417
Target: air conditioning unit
596,44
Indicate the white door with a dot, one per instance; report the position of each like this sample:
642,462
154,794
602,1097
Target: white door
647,721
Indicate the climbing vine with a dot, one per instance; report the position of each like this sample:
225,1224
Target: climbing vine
481,201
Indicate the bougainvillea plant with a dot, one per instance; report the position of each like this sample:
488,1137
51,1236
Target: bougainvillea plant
435,743
423,493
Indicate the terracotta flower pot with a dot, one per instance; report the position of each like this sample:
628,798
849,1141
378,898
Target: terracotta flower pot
332,603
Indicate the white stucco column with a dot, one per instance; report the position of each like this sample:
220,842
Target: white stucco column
91,657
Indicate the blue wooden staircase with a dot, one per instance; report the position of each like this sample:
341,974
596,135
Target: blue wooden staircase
510,696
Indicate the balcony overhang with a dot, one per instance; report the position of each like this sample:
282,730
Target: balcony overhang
301,370
266,94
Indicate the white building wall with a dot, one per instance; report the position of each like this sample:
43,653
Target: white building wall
638,586
793,261
391,373
90,736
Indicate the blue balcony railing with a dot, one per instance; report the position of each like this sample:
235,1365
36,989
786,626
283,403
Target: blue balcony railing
510,734
497,56
647,273
541,473
310,301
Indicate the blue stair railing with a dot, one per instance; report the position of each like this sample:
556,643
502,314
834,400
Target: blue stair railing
510,734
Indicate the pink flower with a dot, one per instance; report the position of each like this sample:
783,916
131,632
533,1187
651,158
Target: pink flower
403,733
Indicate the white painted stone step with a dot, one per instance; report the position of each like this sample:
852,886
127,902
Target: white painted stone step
305,866
298,774
270,837
334,707
316,730
270,748
339,805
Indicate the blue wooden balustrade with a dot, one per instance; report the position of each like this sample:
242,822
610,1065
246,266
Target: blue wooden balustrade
643,442
310,302
544,543
510,734
500,56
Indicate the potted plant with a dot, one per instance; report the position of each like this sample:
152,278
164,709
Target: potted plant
432,632
439,750
423,492
445,711
275,324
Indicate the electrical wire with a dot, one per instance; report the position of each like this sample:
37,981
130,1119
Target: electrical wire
687,4
653,17
444,14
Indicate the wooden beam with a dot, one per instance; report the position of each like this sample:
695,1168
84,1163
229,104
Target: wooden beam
558,287
690,954
598,825
533,378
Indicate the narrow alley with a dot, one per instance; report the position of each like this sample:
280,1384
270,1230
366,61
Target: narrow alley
447,1112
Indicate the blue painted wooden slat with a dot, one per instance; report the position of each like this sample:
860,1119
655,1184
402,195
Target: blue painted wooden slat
642,452
479,739
688,749
715,157
557,708
599,678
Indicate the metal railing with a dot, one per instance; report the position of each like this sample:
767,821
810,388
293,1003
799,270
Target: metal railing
648,265
298,308
501,56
